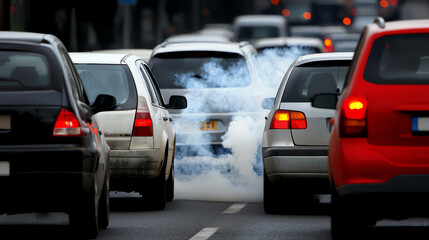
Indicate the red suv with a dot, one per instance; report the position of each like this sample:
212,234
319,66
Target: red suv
379,144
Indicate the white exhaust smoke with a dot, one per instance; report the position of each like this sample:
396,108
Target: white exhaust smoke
236,176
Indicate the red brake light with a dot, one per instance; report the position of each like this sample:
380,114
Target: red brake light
67,125
329,47
143,124
354,117
284,119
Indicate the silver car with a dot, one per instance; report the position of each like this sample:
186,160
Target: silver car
139,130
296,135
218,79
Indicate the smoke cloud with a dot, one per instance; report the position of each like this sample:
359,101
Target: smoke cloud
235,175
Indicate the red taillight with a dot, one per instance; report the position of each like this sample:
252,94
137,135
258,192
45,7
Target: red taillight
353,117
67,125
284,119
143,124
329,47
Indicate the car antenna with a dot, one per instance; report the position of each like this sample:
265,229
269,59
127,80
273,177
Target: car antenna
380,22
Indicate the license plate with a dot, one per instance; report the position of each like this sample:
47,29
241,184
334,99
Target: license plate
4,168
420,124
198,126
4,122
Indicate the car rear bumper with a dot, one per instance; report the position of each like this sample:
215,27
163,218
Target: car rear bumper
45,178
355,161
295,162
146,163
401,197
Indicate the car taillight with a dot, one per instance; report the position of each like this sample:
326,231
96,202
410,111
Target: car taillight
329,47
67,125
284,119
353,117
143,124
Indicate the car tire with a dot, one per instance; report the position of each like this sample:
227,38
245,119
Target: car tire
271,204
345,224
170,185
154,195
104,205
84,218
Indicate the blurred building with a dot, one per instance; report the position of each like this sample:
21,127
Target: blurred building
104,24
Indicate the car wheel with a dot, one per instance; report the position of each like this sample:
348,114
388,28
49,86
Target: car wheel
170,185
84,218
154,195
270,201
344,223
104,205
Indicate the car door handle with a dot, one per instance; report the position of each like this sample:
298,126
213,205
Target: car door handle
167,118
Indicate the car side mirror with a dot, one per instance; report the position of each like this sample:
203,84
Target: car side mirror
104,102
325,100
267,103
178,102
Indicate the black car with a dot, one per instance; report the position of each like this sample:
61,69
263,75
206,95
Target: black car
53,156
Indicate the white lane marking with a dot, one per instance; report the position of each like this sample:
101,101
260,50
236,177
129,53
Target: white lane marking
234,208
205,233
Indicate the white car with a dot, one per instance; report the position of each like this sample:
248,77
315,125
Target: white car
139,130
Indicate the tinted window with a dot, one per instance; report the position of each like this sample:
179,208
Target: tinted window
115,80
399,59
246,33
200,70
286,50
21,71
313,78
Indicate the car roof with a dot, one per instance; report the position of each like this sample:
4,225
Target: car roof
231,47
196,38
141,52
314,57
100,58
22,36
258,19
400,25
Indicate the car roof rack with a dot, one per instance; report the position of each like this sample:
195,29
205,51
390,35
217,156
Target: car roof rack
380,22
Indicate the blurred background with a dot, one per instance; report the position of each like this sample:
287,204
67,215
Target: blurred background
110,24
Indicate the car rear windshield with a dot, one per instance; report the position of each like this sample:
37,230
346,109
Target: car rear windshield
200,70
24,71
115,80
313,78
399,59
284,51
246,33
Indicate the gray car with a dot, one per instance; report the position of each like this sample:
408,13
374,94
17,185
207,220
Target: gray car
296,135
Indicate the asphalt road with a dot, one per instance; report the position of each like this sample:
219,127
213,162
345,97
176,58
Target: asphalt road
199,220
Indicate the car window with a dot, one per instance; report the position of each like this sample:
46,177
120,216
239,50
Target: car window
256,32
399,59
74,76
285,51
112,79
154,84
310,79
21,71
148,84
200,70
